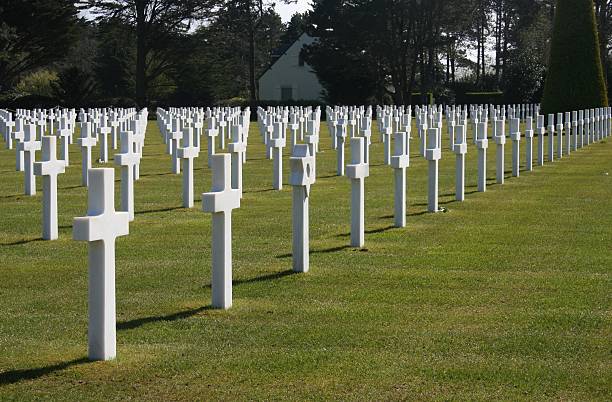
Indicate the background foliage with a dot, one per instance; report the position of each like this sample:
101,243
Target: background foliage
186,52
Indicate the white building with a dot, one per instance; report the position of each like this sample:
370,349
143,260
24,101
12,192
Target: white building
290,78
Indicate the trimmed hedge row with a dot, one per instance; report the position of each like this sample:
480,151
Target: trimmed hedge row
575,75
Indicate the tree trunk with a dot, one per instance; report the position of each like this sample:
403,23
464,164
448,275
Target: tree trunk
141,51
252,83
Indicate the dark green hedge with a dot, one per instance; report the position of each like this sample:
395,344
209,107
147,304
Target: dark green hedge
575,76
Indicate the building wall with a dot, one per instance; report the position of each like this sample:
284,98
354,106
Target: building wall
286,75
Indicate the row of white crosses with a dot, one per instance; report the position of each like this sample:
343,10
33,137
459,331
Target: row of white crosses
102,225
182,129
303,126
44,133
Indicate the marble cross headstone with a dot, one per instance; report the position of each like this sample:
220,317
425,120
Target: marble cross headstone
104,130
220,202
460,149
64,134
127,159
29,146
529,143
541,130
357,171
302,177
500,139
551,137
433,153
559,135
277,143
211,133
100,228
175,136
340,136
236,148
515,137
86,141
187,153
49,168
18,135
482,143
399,162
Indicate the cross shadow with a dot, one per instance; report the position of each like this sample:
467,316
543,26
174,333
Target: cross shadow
150,211
418,213
138,322
11,196
265,190
371,231
24,241
268,277
72,187
158,174
13,376
328,176
323,251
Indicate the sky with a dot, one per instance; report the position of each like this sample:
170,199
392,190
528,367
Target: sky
287,10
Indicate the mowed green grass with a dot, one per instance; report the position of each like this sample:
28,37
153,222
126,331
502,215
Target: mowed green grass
505,296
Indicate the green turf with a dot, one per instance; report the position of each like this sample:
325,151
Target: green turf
504,296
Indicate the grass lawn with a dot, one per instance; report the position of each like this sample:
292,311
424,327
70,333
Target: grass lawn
505,296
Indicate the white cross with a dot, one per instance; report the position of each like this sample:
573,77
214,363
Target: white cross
482,143
174,137
236,149
29,146
18,135
340,136
302,177
49,168
433,153
399,162
187,153
100,228
357,171
64,134
460,149
127,159
86,142
220,202
211,132
277,143
104,131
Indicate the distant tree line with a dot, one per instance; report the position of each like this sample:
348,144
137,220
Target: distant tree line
205,52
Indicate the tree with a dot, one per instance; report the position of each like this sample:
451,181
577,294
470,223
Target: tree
249,17
575,78
33,34
157,24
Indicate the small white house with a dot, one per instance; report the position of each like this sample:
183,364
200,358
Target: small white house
290,78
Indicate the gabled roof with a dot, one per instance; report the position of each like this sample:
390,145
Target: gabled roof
283,51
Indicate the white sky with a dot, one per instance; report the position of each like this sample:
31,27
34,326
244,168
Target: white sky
287,10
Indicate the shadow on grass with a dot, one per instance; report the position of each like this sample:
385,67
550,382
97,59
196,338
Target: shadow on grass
71,187
263,278
24,241
323,251
151,211
13,376
371,231
265,190
329,176
138,322
157,174
11,196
